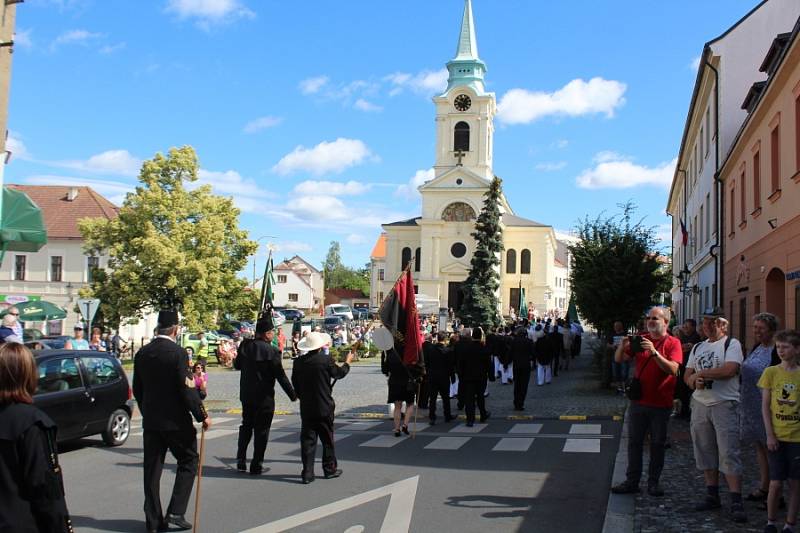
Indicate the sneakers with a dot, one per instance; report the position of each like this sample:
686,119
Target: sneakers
737,513
708,504
626,487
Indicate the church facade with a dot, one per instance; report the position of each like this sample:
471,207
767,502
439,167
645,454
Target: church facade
438,243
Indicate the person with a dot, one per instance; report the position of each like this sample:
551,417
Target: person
713,373
474,367
556,338
281,341
202,349
752,431
96,343
521,351
402,389
7,329
30,478
440,368
688,336
503,364
190,356
619,371
577,339
19,331
165,393
118,345
77,341
295,341
200,380
311,378
261,365
780,386
656,363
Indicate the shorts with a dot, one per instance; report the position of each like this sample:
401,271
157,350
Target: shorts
785,462
715,437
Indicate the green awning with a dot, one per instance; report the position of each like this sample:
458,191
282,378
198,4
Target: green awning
22,226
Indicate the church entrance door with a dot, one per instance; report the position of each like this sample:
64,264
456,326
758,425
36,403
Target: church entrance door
454,295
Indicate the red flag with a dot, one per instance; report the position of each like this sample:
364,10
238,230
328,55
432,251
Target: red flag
399,315
684,234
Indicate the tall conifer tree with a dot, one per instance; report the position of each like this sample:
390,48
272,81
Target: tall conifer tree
480,307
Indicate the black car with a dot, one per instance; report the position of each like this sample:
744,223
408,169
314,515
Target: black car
332,322
85,393
291,314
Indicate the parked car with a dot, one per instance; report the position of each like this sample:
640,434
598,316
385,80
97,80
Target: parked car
85,393
192,340
54,342
343,311
245,329
291,314
278,318
332,322
360,313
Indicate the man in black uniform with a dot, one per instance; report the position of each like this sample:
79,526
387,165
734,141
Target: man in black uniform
311,377
474,367
165,393
521,352
440,369
260,364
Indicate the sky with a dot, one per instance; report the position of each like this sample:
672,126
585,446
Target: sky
316,116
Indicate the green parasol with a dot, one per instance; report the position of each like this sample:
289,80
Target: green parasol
22,228
38,311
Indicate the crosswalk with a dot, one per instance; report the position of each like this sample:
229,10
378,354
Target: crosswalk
505,437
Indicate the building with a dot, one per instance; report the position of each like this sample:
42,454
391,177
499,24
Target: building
728,67
298,284
439,241
377,269
761,180
351,297
7,19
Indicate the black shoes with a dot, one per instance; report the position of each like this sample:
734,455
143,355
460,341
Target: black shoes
449,418
485,417
432,422
519,408
178,521
708,504
737,513
470,424
626,487
655,490
307,480
405,429
396,432
256,470
336,473
241,466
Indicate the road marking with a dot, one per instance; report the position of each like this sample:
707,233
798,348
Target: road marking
361,425
516,444
216,433
447,443
382,441
526,428
573,417
582,446
463,428
341,436
396,520
585,429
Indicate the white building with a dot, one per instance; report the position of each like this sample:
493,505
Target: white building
729,65
298,284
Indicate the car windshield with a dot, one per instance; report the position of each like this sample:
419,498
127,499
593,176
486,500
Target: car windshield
333,320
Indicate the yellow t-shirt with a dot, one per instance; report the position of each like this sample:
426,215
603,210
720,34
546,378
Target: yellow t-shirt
784,386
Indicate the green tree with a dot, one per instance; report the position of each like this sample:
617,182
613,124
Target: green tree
339,276
171,244
616,269
480,306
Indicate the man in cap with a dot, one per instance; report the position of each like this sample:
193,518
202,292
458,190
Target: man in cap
474,365
78,340
260,365
165,394
311,376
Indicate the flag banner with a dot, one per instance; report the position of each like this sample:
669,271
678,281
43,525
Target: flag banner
267,284
398,314
684,234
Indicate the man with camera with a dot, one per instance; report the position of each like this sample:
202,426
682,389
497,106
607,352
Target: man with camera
712,373
656,357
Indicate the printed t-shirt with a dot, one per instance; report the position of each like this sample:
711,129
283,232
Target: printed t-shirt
658,387
707,355
784,386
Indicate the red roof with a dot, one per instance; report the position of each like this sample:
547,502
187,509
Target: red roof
61,215
379,250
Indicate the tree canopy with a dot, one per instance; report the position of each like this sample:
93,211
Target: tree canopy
172,243
339,276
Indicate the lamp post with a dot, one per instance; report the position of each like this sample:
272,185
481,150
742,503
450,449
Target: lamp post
255,256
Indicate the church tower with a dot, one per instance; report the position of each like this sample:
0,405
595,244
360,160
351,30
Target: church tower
465,111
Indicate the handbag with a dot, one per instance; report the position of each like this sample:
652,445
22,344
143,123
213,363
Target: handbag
633,387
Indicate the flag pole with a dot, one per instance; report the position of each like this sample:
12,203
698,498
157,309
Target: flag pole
195,527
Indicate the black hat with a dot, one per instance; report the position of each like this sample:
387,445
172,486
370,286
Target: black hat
167,318
265,323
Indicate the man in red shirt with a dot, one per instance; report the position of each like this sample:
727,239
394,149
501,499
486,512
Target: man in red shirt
656,366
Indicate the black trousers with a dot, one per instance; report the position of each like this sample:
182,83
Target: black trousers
522,377
556,362
473,394
312,429
439,387
256,422
183,446
644,420
576,345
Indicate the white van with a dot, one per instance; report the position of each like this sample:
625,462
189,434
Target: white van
343,311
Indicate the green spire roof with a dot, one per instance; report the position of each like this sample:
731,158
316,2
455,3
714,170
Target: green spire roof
467,69
467,43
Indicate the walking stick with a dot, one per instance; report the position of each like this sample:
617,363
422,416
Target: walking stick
416,411
195,528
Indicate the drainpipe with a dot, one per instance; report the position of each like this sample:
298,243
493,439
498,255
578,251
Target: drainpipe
717,250
685,264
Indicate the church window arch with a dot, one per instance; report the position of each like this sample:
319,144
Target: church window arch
461,137
525,262
417,259
511,261
458,212
405,258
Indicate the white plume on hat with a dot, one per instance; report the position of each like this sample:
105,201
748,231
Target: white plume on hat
313,341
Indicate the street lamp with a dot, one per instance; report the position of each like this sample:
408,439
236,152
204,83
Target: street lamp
255,255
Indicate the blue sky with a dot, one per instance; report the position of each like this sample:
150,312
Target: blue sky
316,116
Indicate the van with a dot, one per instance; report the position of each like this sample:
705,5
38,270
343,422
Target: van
343,311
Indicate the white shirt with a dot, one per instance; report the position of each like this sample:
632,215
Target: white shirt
707,355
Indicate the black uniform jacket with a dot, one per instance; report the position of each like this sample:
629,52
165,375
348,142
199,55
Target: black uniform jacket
32,491
392,366
439,361
312,376
260,363
164,387
544,350
474,361
499,346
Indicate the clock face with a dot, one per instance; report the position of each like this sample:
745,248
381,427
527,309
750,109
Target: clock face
463,102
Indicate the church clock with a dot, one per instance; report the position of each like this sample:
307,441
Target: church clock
463,102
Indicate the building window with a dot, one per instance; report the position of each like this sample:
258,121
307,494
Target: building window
92,264
417,259
381,274
743,188
461,137
19,267
511,262
756,180
56,268
380,297
293,297
775,152
525,262
458,250
281,278
458,212
405,258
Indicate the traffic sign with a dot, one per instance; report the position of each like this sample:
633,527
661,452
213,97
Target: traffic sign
88,307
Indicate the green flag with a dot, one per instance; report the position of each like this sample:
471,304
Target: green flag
523,305
267,285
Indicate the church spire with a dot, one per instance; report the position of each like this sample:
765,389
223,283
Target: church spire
467,69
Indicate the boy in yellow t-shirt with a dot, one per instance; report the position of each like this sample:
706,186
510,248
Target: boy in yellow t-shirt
780,407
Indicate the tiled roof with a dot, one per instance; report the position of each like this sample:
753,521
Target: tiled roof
61,215
379,250
409,222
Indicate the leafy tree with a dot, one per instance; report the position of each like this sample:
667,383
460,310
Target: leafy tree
616,269
339,276
171,243
480,306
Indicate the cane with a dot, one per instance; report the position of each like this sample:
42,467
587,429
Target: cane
195,528
416,411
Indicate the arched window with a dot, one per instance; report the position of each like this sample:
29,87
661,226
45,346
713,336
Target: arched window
461,137
525,262
511,262
458,212
405,258
417,259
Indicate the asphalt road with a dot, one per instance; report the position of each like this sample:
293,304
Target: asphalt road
526,476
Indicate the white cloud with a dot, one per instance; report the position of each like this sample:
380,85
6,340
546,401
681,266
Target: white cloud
114,191
208,12
318,208
81,37
409,190
331,188
694,64
22,38
262,123
664,233
114,162
356,238
609,155
111,48
313,85
578,97
620,173
247,195
551,167
324,158
292,247
426,82
17,148
364,105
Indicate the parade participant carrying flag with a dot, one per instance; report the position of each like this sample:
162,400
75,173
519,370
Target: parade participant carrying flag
398,314
265,303
523,305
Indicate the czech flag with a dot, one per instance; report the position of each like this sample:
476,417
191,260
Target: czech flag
684,234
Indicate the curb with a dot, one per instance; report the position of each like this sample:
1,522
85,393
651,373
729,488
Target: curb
621,507
573,418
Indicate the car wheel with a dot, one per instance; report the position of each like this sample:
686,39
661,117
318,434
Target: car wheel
118,428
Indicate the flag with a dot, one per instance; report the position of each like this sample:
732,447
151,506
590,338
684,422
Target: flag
523,305
398,314
684,234
267,284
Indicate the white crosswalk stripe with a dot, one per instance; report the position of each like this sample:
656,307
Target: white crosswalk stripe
585,429
463,428
361,425
526,428
516,444
447,443
582,446
382,441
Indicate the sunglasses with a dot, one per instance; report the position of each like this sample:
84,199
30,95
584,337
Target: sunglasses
14,314
654,318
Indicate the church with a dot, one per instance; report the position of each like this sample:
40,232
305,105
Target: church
438,243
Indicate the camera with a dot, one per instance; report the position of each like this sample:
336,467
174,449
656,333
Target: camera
708,384
636,343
